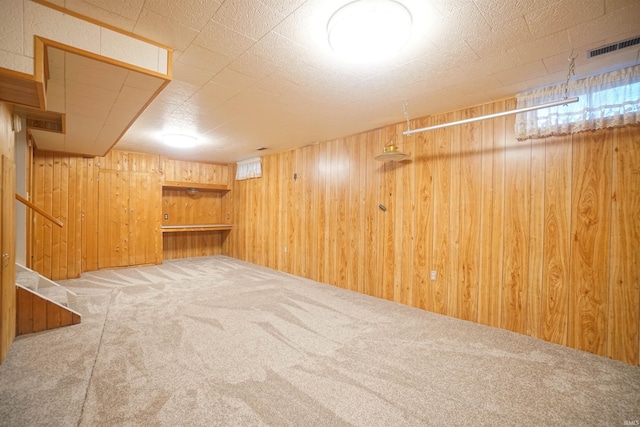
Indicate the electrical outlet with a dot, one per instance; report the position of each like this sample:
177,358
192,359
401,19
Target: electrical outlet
166,216
285,249
434,275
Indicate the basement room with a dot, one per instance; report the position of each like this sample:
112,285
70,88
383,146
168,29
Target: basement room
320,212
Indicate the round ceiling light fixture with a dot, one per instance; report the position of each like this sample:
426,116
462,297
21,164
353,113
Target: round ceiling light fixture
369,29
180,141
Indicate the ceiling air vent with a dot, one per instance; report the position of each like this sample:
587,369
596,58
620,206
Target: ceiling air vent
613,47
49,121
261,148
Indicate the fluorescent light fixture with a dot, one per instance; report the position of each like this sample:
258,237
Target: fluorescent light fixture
180,141
369,29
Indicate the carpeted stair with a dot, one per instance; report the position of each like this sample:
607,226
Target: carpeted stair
41,304
41,285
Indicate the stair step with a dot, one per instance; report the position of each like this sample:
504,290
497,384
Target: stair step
28,279
55,293
39,284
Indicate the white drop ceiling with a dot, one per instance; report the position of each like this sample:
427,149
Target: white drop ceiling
250,74
98,101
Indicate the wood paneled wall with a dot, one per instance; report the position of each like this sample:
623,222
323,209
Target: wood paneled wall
36,313
195,172
540,237
205,207
7,231
69,188
112,210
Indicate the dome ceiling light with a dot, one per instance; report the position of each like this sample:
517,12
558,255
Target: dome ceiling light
180,141
369,29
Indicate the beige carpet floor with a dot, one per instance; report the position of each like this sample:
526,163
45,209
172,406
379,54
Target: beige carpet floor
214,341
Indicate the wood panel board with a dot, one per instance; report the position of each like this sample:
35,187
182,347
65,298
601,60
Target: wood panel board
557,219
590,231
624,281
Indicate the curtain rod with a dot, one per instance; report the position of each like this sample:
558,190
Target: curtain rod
492,116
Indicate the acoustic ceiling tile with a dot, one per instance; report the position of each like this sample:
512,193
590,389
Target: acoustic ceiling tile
192,14
192,75
498,12
100,14
128,50
251,18
222,39
615,26
143,81
509,34
253,65
233,79
462,23
491,64
277,49
204,59
284,7
563,14
544,47
164,30
451,6
129,9
11,32
522,73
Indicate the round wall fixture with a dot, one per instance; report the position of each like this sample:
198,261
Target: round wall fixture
391,153
369,29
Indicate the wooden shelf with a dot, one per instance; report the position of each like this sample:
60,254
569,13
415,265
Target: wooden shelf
195,227
185,185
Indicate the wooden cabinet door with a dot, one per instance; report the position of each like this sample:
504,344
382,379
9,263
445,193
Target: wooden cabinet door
129,219
145,209
7,259
113,219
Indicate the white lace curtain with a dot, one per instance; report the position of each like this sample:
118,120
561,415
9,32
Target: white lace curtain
606,100
249,168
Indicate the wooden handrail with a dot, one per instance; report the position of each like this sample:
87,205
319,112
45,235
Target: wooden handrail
40,211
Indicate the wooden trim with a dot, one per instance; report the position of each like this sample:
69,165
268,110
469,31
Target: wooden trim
186,159
36,80
37,209
39,67
52,43
155,95
185,185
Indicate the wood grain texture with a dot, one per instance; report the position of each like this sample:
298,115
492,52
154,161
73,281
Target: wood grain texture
209,205
590,243
423,214
539,237
8,304
485,298
442,238
624,281
555,262
536,239
496,218
470,199
516,234
70,188
36,313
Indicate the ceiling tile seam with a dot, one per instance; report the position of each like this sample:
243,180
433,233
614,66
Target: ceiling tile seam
256,41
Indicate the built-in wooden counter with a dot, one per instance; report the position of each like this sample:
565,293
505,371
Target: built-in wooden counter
177,185
195,227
